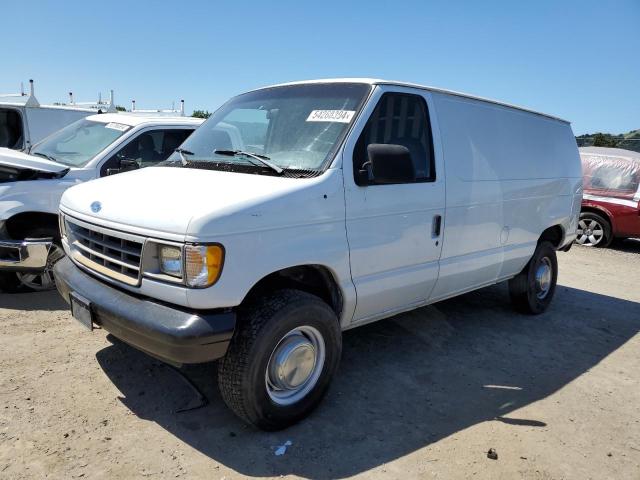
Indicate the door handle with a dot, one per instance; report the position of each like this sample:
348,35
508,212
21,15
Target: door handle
435,226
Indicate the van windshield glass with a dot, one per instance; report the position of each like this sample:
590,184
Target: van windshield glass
293,127
76,144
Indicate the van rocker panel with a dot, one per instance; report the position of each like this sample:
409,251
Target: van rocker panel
170,333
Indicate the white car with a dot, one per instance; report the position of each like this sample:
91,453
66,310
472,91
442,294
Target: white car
31,184
354,200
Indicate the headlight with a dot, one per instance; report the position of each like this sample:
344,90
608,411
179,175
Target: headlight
170,260
61,225
203,264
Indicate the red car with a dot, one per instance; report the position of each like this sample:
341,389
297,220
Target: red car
611,196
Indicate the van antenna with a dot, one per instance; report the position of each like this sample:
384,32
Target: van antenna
182,108
31,87
133,105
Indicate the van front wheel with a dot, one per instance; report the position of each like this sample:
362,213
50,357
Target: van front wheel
532,290
281,359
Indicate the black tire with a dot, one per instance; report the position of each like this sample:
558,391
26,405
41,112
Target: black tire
525,293
10,282
595,219
261,327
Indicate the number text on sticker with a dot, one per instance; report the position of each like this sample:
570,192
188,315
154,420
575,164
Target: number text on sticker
340,116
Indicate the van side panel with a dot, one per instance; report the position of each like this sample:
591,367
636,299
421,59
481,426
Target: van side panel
510,175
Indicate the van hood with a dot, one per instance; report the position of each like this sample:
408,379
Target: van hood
183,203
24,161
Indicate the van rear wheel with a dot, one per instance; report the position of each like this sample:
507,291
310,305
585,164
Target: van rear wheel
532,290
281,360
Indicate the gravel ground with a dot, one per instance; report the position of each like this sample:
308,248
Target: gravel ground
421,395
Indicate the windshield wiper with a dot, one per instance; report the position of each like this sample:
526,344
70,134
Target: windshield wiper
43,155
261,158
182,153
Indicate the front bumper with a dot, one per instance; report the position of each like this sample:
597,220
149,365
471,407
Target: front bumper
170,333
29,254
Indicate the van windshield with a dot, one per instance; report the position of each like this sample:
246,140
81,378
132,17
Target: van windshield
294,127
76,144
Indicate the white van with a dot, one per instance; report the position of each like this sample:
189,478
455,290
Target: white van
354,200
31,184
24,121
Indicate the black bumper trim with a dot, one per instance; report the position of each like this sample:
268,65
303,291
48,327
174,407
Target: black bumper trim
170,333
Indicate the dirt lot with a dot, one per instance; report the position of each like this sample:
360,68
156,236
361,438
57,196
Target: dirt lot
422,395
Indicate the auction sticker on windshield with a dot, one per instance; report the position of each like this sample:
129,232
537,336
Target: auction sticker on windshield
340,116
117,126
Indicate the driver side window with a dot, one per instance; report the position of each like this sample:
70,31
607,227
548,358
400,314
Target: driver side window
399,119
146,149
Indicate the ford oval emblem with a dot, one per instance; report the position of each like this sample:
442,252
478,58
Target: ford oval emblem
96,207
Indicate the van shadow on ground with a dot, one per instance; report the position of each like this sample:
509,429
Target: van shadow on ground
30,301
403,384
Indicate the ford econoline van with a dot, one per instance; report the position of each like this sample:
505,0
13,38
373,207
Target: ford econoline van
351,201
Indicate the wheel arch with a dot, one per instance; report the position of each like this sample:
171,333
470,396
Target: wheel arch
19,225
603,212
311,278
554,234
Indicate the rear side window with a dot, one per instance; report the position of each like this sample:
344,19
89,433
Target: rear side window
614,178
11,135
399,119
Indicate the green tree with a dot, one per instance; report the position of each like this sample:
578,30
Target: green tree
201,114
604,140
120,108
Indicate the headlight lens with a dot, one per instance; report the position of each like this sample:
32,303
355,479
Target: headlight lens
203,264
170,260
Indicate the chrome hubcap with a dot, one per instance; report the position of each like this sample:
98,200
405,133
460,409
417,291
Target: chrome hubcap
295,365
44,280
589,233
543,278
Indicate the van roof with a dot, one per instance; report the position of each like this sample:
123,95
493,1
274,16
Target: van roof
134,119
377,81
26,101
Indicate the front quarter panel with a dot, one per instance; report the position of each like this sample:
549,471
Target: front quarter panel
37,195
304,227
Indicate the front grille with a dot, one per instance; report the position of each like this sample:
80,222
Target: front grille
108,252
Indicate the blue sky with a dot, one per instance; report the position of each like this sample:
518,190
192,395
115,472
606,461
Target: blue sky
577,59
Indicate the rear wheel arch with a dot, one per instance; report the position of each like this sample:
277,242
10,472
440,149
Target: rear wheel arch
554,235
603,212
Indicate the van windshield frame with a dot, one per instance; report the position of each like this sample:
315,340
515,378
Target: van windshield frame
298,128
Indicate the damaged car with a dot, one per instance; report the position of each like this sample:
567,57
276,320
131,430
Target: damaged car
31,184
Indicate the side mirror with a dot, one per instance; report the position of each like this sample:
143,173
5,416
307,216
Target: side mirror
125,165
389,163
